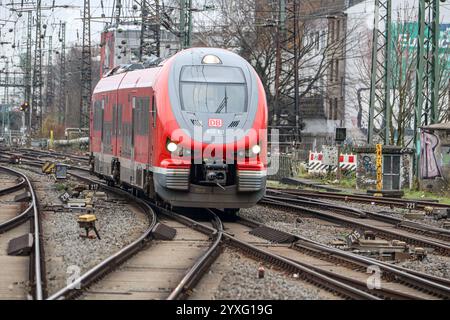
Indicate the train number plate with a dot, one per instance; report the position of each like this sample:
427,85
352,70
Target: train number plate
215,123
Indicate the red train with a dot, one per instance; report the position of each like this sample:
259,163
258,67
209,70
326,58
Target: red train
191,132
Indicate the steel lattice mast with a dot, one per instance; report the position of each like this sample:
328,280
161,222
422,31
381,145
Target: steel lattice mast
62,78
186,24
287,58
50,82
380,109
36,122
28,60
428,70
86,71
150,29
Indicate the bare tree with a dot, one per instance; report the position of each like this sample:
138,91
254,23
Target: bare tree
251,28
403,90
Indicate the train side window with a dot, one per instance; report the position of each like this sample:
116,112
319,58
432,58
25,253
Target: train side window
146,108
114,120
144,115
96,115
140,129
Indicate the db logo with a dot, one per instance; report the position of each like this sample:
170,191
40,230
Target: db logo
215,123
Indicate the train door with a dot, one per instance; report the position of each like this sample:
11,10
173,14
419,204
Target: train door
96,143
119,128
149,183
126,139
115,123
151,128
133,139
102,128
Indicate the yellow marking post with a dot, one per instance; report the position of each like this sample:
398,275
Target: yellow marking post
379,167
51,138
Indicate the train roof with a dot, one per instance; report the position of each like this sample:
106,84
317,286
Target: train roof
129,80
145,78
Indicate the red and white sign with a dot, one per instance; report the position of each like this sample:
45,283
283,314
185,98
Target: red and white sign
215,123
317,164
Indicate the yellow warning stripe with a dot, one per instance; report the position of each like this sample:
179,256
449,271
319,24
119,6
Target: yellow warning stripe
48,167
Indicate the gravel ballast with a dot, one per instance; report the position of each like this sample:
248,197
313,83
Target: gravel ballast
325,233
392,212
240,282
435,265
311,228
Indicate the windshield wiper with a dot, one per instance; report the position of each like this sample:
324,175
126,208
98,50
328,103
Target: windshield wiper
224,103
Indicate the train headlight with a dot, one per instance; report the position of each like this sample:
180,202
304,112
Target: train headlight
256,149
211,59
172,147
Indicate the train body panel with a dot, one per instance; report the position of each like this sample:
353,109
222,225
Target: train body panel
166,130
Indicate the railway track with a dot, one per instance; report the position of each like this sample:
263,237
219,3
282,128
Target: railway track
413,227
43,153
395,202
26,272
147,269
396,282
332,213
402,284
197,271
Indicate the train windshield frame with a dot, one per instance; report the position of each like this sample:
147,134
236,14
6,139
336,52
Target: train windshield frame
213,89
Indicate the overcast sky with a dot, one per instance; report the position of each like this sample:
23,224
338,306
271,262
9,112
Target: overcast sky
52,18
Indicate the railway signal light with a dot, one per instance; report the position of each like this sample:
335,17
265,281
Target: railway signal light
24,107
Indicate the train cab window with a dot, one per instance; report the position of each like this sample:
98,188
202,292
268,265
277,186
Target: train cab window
213,89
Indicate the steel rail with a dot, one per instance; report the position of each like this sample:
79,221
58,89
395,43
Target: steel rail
11,189
54,154
363,198
197,271
434,285
308,274
31,212
236,243
439,246
415,227
111,263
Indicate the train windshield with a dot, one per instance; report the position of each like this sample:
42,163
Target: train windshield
213,89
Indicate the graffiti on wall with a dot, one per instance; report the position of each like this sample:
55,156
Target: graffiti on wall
369,166
429,164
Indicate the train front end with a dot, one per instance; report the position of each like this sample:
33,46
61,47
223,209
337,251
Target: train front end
214,141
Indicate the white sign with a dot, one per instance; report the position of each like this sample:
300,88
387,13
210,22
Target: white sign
330,155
